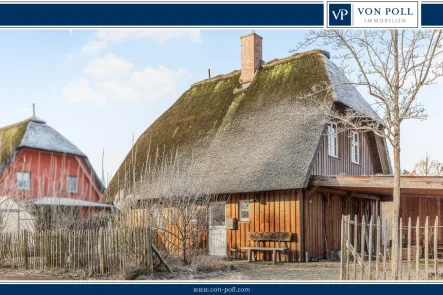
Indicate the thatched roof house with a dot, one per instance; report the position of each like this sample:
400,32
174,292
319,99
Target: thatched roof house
255,137
247,136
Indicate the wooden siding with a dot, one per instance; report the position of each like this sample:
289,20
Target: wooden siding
422,206
274,211
327,165
322,219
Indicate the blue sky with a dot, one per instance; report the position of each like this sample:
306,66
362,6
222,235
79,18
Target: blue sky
98,88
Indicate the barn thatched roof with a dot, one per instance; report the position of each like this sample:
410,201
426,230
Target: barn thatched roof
260,138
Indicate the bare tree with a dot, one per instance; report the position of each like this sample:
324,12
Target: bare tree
393,65
175,201
428,167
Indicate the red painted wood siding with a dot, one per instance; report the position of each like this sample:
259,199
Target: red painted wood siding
49,172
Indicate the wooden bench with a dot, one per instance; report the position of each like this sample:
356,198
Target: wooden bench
268,237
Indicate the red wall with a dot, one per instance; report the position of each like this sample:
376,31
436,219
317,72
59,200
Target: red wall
49,172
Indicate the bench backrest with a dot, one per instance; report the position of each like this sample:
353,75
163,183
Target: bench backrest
270,236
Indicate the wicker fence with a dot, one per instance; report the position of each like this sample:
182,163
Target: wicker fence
102,251
366,249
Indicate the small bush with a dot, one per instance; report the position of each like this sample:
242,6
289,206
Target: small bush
205,263
132,272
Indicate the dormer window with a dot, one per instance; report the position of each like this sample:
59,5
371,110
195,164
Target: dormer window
355,151
332,140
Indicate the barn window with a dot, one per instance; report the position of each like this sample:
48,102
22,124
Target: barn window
24,180
355,151
332,140
72,184
244,210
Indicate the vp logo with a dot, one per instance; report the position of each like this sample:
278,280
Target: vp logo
340,14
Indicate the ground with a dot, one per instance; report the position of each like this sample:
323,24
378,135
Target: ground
237,270
326,270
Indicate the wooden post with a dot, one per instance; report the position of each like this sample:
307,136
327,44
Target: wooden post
25,248
385,249
417,250
362,246
426,248
409,248
370,247
348,244
101,250
435,247
400,251
149,248
355,246
377,249
342,243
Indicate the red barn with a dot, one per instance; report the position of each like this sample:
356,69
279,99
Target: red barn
39,166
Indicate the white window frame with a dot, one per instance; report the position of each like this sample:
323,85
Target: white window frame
332,138
20,181
355,147
68,186
240,210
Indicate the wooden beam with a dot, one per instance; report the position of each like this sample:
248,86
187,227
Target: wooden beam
311,191
413,182
332,191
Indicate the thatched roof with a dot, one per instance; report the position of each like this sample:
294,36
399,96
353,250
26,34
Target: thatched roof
34,133
260,138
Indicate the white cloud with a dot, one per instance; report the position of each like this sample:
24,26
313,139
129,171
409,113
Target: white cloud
94,46
109,66
80,91
112,78
158,35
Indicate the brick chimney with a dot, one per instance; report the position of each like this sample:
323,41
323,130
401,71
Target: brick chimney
251,56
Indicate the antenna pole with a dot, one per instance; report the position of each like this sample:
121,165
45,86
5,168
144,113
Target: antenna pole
33,109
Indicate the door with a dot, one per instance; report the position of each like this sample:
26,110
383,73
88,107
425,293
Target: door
217,229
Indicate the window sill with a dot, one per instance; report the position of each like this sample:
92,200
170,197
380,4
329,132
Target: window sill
244,221
356,163
335,157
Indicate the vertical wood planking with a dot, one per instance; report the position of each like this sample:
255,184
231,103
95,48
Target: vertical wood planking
409,248
417,249
426,242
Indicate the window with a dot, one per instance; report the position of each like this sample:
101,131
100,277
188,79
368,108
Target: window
24,180
72,184
332,140
244,210
355,151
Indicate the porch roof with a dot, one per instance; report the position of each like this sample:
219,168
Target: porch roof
381,185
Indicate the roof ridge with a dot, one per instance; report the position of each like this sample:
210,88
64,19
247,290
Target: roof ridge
271,63
216,78
15,124
296,55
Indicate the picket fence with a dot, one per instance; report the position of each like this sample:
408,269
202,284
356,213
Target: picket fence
366,250
101,251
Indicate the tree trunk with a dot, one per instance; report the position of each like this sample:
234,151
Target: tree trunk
396,146
185,260
395,211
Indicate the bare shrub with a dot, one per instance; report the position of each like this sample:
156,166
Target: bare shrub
132,272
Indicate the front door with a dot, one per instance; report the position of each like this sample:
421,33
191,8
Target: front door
217,229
